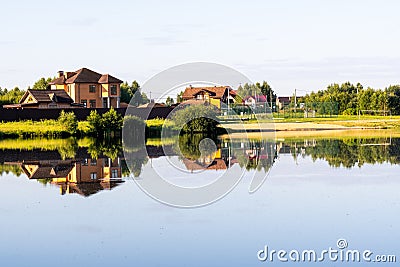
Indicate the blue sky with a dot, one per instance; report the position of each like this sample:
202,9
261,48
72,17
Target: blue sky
291,44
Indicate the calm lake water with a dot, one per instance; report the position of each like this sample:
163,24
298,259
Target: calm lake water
74,202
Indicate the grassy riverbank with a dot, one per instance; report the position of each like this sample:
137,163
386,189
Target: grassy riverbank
53,128
29,129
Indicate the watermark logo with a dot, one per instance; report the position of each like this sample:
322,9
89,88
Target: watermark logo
170,82
340,253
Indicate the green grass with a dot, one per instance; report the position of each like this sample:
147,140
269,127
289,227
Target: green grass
45,128
345,120
159,123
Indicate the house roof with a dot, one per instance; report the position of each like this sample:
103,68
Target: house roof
283,99
59,80
88,189
40,96
107,78
49,171
217,164
152,105
259,98
215,91
85,75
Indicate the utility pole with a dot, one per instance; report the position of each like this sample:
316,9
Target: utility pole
295,102
358,105
270,98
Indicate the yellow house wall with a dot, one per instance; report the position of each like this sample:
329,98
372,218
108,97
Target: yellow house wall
106,90
215,102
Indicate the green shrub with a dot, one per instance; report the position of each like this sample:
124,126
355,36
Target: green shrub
111,121
68,121
196,118
95,124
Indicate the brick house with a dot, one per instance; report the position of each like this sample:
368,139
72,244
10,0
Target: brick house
89,88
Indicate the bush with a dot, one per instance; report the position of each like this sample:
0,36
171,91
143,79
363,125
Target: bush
111,121
69,121
94,120
196,118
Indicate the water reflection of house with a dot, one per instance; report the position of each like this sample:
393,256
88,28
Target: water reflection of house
85,177
219,160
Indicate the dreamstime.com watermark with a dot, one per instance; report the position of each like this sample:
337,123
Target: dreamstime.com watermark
340,253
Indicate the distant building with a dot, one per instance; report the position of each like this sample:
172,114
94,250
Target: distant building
45,99
215,95
252,100
89,88
282,101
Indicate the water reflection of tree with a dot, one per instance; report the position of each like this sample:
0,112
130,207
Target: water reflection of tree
109,147
189,145
68,150
350,152
16,170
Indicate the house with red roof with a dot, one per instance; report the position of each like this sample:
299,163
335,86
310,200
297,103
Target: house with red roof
214,95
253,100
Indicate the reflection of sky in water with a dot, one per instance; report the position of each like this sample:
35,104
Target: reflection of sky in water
305,206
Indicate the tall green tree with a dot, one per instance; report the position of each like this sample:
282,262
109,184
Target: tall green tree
179,98
248,90
169,101
42,83
10,96
132,94
267,91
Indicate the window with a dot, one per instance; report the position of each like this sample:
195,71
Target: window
114,173
92,88
93,162
113,89
93,175
85,162
69,88
84,102
92,103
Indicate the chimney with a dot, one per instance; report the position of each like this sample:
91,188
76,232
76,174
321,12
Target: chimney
60,73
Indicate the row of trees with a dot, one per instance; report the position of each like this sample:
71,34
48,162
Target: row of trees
257,89
10,96
352,99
